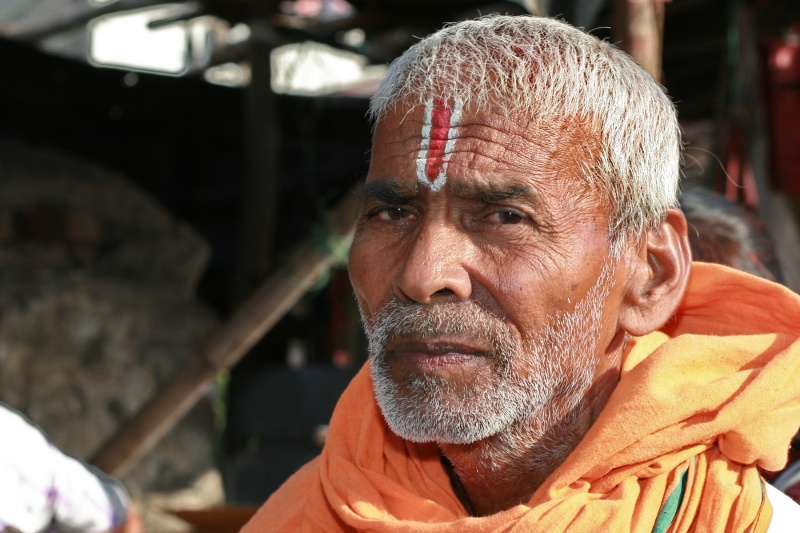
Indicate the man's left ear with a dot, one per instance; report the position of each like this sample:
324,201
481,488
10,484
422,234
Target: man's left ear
658,272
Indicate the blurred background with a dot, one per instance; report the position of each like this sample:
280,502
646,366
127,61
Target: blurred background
176,199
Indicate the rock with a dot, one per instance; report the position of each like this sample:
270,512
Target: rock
97,308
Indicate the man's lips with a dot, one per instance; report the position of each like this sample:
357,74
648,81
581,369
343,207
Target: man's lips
435,355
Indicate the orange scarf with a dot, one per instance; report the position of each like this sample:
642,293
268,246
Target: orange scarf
700,404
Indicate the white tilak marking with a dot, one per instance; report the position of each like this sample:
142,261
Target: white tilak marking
424,145
450,146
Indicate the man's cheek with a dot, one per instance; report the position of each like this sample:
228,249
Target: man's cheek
356,266
360,288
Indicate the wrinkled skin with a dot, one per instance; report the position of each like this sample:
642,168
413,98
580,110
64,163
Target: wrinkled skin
515,230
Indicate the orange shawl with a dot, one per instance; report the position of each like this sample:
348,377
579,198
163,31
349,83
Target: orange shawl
704,401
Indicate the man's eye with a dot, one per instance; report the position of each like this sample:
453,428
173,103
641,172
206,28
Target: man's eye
505,217
392,213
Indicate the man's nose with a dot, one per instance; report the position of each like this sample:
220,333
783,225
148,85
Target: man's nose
434,266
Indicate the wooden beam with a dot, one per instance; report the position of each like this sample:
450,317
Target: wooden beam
276,296
262,129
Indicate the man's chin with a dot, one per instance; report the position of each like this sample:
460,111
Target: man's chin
415,430
439,418
441,404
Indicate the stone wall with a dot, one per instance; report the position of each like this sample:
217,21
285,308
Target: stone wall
97,308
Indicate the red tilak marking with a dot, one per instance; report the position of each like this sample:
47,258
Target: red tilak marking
440,127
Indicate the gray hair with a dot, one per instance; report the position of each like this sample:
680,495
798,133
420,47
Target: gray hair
548,69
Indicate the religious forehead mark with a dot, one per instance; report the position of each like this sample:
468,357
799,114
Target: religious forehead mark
439,132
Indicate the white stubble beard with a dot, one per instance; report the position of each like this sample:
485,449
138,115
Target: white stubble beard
520,412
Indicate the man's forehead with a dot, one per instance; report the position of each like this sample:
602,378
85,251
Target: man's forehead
438,118
441,141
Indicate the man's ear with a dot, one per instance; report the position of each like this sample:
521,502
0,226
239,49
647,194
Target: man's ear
658,272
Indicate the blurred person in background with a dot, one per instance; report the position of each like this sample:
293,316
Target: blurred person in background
44,489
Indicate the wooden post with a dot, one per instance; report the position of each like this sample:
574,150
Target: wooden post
639,28
262,129
249,324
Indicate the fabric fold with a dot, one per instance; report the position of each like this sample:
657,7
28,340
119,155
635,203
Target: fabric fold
712,397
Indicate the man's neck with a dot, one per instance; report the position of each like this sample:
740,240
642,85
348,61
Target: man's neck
505,470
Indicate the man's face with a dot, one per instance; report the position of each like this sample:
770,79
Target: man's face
492,300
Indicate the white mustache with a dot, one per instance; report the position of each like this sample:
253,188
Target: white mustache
398,320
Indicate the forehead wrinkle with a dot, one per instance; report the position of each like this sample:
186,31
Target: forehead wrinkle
489,145
476,149
536,150
519,170
509,146
406,144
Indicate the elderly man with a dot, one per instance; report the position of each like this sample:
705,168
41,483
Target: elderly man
541,356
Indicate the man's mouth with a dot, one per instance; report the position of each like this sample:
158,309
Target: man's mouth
435,356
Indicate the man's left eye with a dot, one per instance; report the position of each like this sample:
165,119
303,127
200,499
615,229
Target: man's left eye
505,217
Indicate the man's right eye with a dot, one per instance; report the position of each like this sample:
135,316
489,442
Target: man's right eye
392,213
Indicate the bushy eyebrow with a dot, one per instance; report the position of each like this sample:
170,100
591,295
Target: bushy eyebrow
389,192
396,192
493,193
